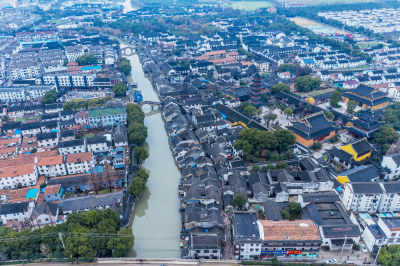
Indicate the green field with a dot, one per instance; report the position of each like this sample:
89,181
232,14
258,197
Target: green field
250,5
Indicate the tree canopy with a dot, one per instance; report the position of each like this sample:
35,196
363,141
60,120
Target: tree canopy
335,98
82,104
249,109
140,154
137,186
87,59
389,255
252,141
239,200
351,106
119,89
280,87
307,83
49,97
386,136
124,66
86,235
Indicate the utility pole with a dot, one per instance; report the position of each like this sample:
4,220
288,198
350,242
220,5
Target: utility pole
344,243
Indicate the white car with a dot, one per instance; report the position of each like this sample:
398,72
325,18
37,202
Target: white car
363,248
331,261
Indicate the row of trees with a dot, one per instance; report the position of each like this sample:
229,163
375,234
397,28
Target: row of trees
82,104
124,66
85,235
252,142
137,133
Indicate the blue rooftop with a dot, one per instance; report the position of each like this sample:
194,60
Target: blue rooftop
31,193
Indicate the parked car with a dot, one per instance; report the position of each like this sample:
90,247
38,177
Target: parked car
363,248
331,261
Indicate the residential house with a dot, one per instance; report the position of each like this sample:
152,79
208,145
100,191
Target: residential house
79,163
51,166
71,146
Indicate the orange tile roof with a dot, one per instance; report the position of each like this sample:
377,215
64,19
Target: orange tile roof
223,60
215,53
79,157
51,160
290,230
18,195
52,189
6,162
17,171
246,63
8,141
8,150
233,53
40,181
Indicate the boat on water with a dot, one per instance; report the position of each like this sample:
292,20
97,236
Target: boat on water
132,84
137,96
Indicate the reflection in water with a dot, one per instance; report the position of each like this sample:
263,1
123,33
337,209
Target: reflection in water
156,222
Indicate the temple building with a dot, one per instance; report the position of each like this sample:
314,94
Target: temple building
367,97
312,128
256,91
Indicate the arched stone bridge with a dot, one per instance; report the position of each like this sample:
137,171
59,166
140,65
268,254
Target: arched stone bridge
128,51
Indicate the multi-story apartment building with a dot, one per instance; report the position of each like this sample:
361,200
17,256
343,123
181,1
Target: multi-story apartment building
362,197
51,166
110,116
79,163
47,139
14,177
72,146
73,52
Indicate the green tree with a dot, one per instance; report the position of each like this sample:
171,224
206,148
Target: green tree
285,214
328,115
137,186
121,245
351,106
141,173
140,154
294,208
390,255
244,146
270,117
280,165
307,83
49,97
280,87
119,89
86,59
386,136
249,109
137,133
285,138
288,112
124,66
335,98
239,200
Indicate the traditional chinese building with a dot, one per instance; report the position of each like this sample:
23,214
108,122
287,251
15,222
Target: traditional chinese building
312,128
367,97
255,91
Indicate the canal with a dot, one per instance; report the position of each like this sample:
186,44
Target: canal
156,218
